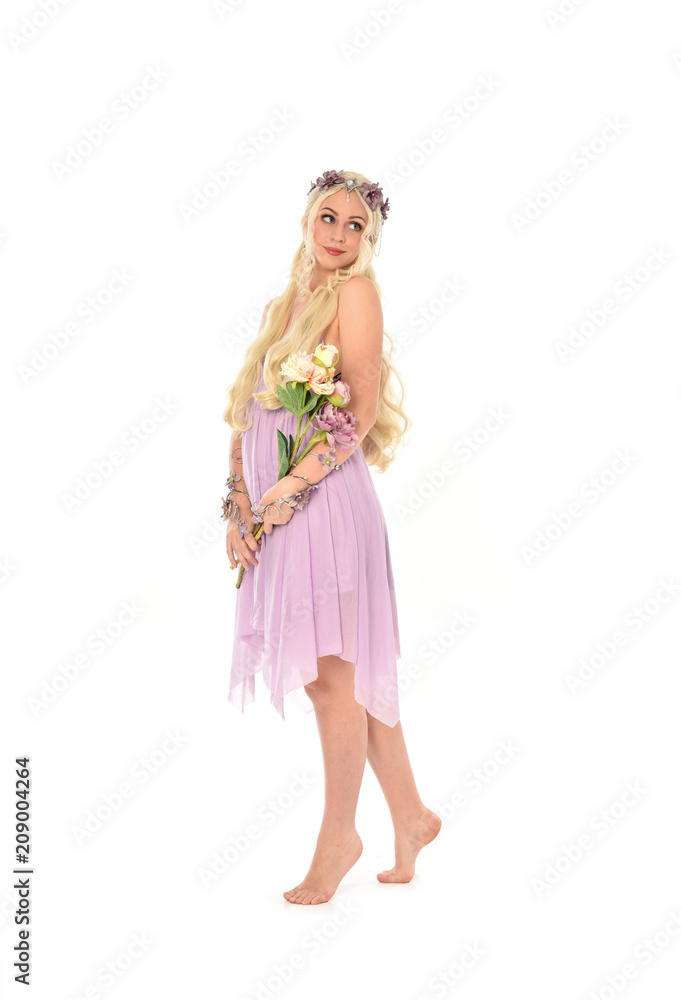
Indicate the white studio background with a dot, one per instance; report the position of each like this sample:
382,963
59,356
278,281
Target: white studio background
530,273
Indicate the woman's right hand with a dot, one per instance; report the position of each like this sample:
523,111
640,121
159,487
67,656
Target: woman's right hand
242,549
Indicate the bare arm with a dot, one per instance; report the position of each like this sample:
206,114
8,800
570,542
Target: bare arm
360,319
241,546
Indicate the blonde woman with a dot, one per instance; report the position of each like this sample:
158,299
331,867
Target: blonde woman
316,610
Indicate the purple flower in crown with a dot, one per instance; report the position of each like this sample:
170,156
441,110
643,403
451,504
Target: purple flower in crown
373,196
328,179
372,193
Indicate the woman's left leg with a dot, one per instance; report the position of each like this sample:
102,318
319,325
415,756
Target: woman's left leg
342,725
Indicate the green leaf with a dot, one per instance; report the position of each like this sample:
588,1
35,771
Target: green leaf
281,393
299,392
286,399
284,453
311,403
282,441
296,391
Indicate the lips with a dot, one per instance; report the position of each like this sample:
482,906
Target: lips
333,252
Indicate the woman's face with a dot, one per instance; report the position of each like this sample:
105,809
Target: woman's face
339,225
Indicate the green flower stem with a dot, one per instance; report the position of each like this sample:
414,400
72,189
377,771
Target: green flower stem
299,436
318,436
296,443
315,440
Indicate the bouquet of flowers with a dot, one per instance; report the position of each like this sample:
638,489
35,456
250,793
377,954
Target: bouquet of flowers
311,388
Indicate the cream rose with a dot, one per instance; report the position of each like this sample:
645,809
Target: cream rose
299,368
321,381
326,354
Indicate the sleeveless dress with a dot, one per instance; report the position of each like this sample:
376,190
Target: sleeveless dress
323,583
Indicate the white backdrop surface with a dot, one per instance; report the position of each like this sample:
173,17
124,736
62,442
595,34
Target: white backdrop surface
156,162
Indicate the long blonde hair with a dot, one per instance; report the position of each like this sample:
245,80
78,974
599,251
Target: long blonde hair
380,443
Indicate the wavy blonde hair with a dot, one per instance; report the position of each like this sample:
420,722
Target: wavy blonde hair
380,443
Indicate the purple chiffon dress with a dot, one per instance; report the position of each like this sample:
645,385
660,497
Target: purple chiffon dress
323,583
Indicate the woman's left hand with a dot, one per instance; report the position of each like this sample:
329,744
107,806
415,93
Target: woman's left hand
278,492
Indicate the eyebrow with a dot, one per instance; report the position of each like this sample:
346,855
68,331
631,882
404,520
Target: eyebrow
329,209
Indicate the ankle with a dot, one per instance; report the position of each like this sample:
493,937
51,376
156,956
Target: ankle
333,836
407,820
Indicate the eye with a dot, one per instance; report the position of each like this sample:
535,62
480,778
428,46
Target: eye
327,215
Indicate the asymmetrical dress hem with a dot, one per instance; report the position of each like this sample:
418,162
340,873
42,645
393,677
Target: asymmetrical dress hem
323,584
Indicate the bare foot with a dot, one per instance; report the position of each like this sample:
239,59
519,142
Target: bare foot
408,843
329,866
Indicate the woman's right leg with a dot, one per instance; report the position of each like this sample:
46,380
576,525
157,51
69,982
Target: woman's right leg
342,725
415,824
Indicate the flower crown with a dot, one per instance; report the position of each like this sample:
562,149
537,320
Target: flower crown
371,193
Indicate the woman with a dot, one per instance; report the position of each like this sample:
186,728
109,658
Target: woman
316,609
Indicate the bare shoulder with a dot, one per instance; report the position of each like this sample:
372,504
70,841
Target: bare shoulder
360,335
359,307
358,291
